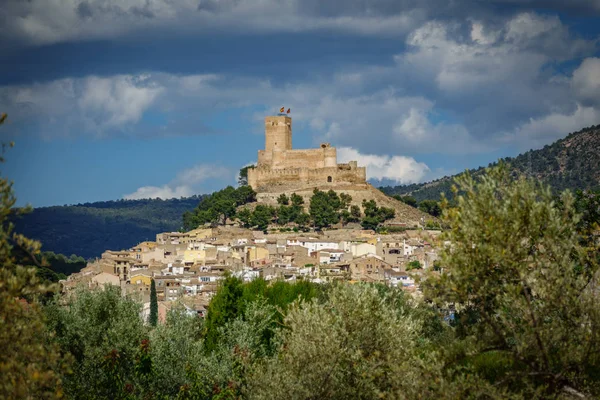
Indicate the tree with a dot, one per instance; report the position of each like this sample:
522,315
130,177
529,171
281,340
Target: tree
283,200
303,219
245,216
358,344
262,217
375,216
104,333
345,200
244,195
344,216
284,215
334,199
31,365
225,306
153,318
524,287
411,201
219,206
355,214
296,200
323,208
243,175
431,207
415,264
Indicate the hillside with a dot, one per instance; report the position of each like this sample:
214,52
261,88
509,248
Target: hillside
89,229
359,192
569,163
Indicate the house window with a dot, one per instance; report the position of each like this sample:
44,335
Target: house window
329,179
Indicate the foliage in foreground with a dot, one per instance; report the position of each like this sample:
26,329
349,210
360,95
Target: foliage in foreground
30,365
525,287
362,343
520,273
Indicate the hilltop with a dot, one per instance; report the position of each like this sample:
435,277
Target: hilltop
569,163
359,192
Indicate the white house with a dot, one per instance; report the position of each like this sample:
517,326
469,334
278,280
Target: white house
362,249
313,244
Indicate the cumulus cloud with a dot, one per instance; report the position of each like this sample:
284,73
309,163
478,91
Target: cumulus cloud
91,104
118,100
586,82
400,169
186,183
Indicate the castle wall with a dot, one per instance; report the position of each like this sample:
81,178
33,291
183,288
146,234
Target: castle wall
295,158
259,177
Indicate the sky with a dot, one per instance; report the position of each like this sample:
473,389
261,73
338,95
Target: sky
113,99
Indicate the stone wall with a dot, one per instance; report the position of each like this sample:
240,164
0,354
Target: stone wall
260,177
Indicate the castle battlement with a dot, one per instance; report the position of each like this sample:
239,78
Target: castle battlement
280,164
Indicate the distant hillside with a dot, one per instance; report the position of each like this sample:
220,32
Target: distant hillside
569,163
91,228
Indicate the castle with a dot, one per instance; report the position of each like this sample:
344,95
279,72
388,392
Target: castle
281,166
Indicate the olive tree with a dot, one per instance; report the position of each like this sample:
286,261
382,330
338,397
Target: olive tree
525,289
360,343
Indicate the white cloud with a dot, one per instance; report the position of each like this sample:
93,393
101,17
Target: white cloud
397,168
90,104
163,192
586,82
119,99
200,173
540,131
415,131
186,183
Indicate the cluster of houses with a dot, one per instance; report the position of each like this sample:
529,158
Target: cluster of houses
186,267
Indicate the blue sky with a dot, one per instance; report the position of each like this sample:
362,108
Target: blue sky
111,99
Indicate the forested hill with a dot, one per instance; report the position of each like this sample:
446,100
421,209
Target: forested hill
91,228
569,163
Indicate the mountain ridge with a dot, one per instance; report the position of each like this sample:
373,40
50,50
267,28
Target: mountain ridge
572,162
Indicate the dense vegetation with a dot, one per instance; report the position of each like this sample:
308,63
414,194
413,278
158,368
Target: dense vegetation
218,207
325,210
91,228
569,163
513,313
54,267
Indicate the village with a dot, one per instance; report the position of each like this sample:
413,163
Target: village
187,267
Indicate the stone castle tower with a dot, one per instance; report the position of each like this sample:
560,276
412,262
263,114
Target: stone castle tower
282,167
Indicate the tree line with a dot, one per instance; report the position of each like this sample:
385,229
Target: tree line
325,210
